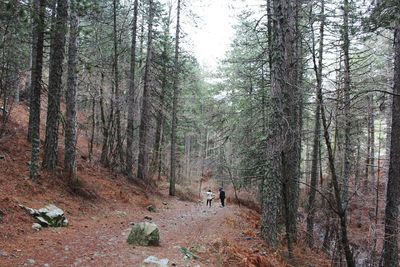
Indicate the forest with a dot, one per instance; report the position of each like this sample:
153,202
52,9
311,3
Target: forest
107,112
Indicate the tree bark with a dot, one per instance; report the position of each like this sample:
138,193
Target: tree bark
347,115
58,35
37,19
390,248
358,157
131,96
119,148
291,94
372,136
93,128
175,86
283,152
142,37
104,150
37,67
70,96
159,164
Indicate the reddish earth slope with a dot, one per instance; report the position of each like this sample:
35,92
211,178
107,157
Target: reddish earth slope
101,214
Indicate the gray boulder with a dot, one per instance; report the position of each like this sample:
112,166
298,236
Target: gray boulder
144,234
50,215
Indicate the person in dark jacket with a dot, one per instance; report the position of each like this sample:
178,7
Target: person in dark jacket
222,196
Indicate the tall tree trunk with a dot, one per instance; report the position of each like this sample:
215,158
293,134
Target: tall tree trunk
369,184
159,153
368,156
347,115
32,53
390,248
388,120
37,67
111,129
269,36
70,96
58,35
175,89
188,142
271,197
93,128
374,253
131,96
372,137
37,19
119,148
317,128
358,157
143,159
142,37
104,150
290,155
313,182
283,156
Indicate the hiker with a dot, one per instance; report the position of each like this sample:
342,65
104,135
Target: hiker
222,196
210,197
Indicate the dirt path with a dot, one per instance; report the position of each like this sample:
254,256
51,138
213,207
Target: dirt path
100,239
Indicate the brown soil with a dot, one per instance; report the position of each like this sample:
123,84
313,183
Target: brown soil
97,235
102,211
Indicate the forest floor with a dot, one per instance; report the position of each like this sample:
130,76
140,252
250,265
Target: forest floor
97,236
103,208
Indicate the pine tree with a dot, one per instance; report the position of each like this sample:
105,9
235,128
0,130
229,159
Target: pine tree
131,95
70,95
317,128
143,160
37,67
57,47
175,86
390,249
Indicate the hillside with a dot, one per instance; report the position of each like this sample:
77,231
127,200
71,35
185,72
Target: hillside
102,211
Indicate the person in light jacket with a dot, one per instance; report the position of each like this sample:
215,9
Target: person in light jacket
210,197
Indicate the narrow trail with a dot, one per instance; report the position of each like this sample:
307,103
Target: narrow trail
100,239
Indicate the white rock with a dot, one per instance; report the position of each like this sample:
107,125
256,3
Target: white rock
52,211
149,228
36,226
155,262
120,213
